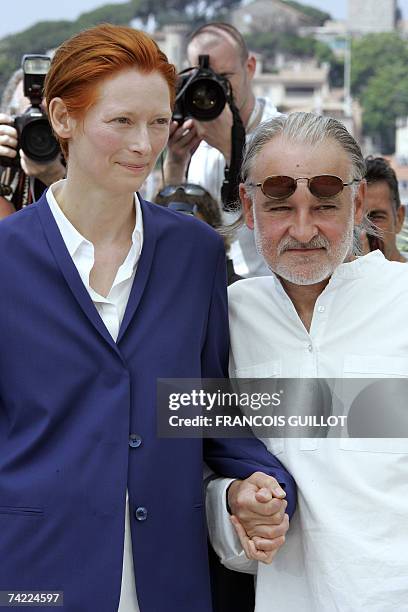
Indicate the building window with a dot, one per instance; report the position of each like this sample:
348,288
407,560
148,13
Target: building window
299,92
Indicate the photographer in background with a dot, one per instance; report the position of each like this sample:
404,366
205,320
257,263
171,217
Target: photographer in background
383,207
27,178
192,199
199,151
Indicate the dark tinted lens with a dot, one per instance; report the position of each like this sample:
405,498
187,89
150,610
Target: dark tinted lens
278,186
325,186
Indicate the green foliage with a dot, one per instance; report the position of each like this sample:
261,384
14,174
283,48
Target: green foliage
373,52
118,14
384,99
319,17
380,82
182,11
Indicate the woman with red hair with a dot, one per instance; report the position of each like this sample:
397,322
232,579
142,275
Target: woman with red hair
103,294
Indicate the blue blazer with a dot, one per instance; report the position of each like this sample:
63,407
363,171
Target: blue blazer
71,398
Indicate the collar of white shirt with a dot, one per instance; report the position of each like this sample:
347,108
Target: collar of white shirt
82,250
356,268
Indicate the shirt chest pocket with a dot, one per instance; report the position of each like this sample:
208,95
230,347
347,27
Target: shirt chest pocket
249,383
376,404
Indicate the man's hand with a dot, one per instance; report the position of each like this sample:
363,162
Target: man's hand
258,515
8,137
217,132
183,141
6,208
261,549
47,172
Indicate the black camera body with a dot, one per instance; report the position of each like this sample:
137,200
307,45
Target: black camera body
201,93
34,131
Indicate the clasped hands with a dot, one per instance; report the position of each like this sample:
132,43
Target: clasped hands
258,514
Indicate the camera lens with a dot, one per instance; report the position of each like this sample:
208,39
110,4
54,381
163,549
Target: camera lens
205,99
38,142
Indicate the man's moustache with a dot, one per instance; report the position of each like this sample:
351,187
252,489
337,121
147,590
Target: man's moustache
318,242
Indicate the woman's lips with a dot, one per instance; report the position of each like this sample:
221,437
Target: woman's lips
135,168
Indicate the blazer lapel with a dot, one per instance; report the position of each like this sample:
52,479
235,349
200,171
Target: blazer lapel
144,265
69,270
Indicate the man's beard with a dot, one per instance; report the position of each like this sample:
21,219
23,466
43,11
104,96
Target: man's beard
313,269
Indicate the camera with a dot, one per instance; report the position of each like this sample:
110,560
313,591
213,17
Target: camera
34,131
201,93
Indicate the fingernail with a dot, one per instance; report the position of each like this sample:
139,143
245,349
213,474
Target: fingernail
279,491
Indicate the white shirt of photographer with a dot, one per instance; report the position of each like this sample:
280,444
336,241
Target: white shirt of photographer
111,310
207,168
346,548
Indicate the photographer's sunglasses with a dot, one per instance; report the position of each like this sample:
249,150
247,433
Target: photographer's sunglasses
189,189
278,187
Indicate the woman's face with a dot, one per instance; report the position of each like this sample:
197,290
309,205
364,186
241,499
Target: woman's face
117,143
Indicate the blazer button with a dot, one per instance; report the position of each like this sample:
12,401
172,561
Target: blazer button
135,440
141,513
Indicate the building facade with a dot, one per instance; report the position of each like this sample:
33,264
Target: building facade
372,16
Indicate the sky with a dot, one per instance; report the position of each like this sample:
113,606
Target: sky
24,13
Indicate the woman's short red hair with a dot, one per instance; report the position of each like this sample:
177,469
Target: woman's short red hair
87,58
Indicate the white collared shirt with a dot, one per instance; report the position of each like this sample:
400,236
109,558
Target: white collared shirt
346,548
111,310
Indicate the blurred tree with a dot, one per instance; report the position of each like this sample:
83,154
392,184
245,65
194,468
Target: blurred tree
191,11
373,52
384,99
379,80
319,17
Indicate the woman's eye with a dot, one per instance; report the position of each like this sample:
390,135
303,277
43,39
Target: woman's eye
163,121
122,120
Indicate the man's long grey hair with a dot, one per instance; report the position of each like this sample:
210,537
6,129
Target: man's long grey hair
310,129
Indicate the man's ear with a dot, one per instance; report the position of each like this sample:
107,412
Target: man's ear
247,206
400,218
359,202
251,65
61,122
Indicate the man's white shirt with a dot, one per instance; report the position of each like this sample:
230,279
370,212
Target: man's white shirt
346,548
111,310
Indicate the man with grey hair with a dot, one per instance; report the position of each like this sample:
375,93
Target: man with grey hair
324,313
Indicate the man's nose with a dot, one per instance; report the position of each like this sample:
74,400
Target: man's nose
303,227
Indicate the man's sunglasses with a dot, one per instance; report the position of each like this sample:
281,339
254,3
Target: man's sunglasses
189,189
278,187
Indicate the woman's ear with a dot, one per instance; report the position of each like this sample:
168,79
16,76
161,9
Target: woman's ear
61,122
